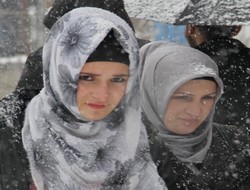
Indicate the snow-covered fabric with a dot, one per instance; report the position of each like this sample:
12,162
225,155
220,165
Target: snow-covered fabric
14,172
197,12
233,60
226,166
215,12
65,150
167,66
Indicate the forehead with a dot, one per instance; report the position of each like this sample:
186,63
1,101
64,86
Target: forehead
200,86
103,66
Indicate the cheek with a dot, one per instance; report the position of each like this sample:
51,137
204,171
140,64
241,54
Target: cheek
117,93
81,93
169,117
166,119
208,108
174,111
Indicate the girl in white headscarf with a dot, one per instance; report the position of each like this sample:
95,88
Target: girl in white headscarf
179,90
84,130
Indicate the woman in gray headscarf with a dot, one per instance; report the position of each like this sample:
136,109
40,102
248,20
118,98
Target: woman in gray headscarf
84,129
179,89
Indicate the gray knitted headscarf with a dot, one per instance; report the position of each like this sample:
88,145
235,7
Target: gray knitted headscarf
65,150
167,66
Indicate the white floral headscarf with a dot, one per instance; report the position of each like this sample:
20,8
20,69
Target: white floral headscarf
65,150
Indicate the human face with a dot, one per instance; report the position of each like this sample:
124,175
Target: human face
189,106
101,87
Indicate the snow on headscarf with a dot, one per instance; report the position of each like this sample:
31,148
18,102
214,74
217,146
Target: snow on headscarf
167,66
65,150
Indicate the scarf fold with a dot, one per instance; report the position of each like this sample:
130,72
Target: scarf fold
65,150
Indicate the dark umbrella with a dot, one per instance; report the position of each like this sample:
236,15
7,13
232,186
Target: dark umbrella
199,12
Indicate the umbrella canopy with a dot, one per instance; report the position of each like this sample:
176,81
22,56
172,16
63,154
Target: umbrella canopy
199,12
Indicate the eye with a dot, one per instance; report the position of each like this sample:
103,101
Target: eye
205,98
86,78
118,79
182,97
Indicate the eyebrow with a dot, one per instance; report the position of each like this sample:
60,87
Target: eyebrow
184,93
212,93
121,75
89,74
116,75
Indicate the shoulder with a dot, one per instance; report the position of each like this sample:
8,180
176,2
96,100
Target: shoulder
12,107
230,153
216,47
230,130
232,136
32,74
34,60
36,54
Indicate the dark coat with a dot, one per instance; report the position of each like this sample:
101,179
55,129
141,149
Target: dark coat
14,170
233,60
14,167
226,166
32,74
59,8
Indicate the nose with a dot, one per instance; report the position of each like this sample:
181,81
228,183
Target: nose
194,109
100,92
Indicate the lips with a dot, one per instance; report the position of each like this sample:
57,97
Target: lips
96,105
190,122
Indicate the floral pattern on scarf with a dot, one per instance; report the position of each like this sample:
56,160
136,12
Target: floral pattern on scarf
65,150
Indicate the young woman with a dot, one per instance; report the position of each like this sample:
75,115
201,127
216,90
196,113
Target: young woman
84,130
14,173
179,90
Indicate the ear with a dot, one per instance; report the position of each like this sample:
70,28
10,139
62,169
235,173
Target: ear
236,30
190,29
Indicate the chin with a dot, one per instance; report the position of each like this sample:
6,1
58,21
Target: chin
185,131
